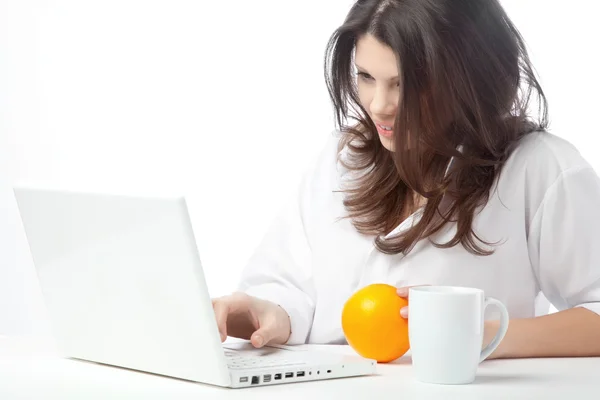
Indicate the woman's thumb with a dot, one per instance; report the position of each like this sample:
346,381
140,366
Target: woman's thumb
262,336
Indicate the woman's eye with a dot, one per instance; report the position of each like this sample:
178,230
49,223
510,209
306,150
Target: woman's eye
365,76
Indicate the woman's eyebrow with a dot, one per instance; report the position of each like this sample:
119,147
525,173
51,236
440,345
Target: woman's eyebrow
361,69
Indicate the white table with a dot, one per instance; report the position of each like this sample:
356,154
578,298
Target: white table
31,369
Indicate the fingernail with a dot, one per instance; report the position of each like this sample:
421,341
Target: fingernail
258,340
402,292
404,312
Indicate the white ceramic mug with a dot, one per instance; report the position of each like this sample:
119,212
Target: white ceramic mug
445,327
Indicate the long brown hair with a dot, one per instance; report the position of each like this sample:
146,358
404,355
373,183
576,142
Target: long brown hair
467,87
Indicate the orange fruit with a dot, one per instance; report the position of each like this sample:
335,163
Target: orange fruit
372,323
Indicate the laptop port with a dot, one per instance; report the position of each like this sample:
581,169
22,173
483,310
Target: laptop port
266,378
255,380
328,371
277,377
243,379
300,374
289,374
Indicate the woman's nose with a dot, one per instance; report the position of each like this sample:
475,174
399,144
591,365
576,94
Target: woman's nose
382,103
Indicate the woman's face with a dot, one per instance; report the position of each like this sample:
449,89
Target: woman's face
378,84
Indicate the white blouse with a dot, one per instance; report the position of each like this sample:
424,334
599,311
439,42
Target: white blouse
545,214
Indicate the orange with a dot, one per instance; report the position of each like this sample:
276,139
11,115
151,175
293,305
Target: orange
372,323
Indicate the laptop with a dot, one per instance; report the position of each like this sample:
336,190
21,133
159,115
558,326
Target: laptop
123,285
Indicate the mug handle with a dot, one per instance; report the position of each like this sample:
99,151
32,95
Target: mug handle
489,349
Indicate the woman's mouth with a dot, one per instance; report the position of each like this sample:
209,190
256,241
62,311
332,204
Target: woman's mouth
384,130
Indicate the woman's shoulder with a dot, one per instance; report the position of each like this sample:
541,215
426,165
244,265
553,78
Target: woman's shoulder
544,157
545,147
331,149
321,168
333,154
332,168
541,164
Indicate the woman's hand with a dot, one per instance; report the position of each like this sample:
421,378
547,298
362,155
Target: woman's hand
403,292
260,321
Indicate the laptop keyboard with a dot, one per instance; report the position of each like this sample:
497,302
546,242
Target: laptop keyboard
238,360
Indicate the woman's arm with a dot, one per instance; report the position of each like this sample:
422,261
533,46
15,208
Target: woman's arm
280,269
563,238
570,333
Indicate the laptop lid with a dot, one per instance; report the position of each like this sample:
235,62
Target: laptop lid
122,281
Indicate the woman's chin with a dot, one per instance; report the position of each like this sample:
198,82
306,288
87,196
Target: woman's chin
387,142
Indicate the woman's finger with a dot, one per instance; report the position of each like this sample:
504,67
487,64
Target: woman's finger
403,291
221,309
404,312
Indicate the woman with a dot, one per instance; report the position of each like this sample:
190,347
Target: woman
442,177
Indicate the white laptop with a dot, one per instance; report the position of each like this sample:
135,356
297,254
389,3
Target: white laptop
123,285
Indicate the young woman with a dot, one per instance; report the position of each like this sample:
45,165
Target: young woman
438,174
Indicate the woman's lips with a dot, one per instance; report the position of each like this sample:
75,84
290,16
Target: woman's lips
384,129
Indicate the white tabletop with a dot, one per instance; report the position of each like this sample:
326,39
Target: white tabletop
31,369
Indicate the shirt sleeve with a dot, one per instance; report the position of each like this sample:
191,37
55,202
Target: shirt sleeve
564,241
281,268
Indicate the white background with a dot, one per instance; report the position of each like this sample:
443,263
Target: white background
224,100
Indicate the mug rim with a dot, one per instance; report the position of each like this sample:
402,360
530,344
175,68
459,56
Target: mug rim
442,290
